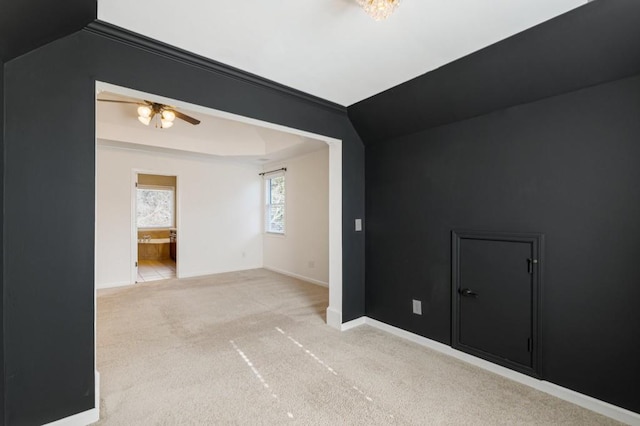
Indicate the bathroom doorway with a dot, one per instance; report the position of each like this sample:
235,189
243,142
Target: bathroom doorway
155,226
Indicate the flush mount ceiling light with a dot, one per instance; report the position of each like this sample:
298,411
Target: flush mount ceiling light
164,114
379,9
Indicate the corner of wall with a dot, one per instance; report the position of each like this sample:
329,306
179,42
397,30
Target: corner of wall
334,318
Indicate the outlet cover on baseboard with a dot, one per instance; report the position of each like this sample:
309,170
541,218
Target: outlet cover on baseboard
417,307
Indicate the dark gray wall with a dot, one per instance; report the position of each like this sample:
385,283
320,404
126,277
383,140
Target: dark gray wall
1,245
562,163
24,26
566,166
50,201
28,24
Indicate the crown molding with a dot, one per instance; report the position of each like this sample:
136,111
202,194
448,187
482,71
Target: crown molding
140,41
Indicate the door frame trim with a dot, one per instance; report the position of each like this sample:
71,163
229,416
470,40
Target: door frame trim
537,242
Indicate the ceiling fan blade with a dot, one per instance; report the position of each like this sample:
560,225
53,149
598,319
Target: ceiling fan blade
120,102
186,118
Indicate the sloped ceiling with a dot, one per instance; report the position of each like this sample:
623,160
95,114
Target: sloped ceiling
331,48
594,44
327,48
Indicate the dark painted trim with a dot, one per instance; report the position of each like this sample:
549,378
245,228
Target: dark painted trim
140,41
537,247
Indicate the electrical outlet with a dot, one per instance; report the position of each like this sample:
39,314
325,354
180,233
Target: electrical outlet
358,225
417,307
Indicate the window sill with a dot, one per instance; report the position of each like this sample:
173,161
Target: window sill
274,235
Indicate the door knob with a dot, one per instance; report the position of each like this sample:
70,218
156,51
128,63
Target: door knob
467,292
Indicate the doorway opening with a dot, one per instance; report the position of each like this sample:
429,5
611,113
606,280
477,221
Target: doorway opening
217,208
155,227
114,137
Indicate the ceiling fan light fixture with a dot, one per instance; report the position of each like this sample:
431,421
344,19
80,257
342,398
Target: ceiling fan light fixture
379,9
144,120
144,111
162,115
168,115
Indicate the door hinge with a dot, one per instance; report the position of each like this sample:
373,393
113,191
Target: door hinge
136,264
136,184
530,263
529,344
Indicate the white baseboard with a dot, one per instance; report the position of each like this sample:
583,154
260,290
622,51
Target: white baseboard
112,285
334,318
86,417
298,276
353,323
224,271
199,274
590,403
81,419
97,403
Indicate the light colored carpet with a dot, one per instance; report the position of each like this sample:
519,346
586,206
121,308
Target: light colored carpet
252,348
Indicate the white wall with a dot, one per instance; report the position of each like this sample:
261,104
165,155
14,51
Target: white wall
304,249
219,213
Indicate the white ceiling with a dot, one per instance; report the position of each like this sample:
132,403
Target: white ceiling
221,135
331,48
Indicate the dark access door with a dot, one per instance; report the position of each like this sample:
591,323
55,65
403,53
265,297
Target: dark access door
496,282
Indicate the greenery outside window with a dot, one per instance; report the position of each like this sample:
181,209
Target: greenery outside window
275,204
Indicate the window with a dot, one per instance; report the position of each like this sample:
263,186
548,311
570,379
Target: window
155,206
275,204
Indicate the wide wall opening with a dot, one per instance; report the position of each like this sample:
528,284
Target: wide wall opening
232,194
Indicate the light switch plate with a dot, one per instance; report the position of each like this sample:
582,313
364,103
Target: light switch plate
417,307
358,225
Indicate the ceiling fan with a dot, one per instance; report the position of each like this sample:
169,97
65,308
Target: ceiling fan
165,114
